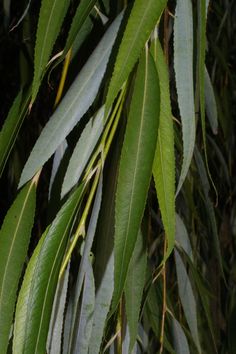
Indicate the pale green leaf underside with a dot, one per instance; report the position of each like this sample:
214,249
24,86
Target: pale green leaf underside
143,18
183,65
179,338
36,296
164,161
83,151
74,105
210,102
14,241
134,286
135,167
51,16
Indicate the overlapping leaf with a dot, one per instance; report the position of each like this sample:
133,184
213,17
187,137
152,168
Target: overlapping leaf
36,296
14,241
51,16
135,167
183,65
76,102
143,18
164,161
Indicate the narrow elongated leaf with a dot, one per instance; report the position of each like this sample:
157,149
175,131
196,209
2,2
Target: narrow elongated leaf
82,152
187,298
54,339
164,161
86,312
82,12
11,128
180,341
183,65
182,237
143,18
14,241
84,266
211,108
76,102
36,296
135,167
134,285
52,13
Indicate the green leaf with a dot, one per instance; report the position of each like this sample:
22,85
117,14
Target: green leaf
76,102
135,167
52,13
84,266
86,312
81,15
14,241
211,108
82,151
134,286
183,65
54,338
187,298
11,128
143,17
164,161
180,341
34,305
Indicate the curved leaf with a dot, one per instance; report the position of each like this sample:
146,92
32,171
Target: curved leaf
211,108
143,17
14,241
183,65
82,12
164,161
76,102
134,286
180,341
82,151
36,296
52,13
135,167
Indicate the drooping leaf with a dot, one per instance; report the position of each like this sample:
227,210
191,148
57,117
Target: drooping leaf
135,167
187,298
52,13
83,10
82,152
134,285
182,238
14,241
211,108
143,18
84,265
36,296
54,338
164,161
183,65
76,102
11,128
180,341
86,312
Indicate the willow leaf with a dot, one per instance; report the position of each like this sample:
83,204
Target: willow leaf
76,102
11,127
82,151
51,15
83,10
164,161
134,285
14,242
143,17
54,339
180,341
86,312
187,298
183,65
135,167
34,305
210,102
